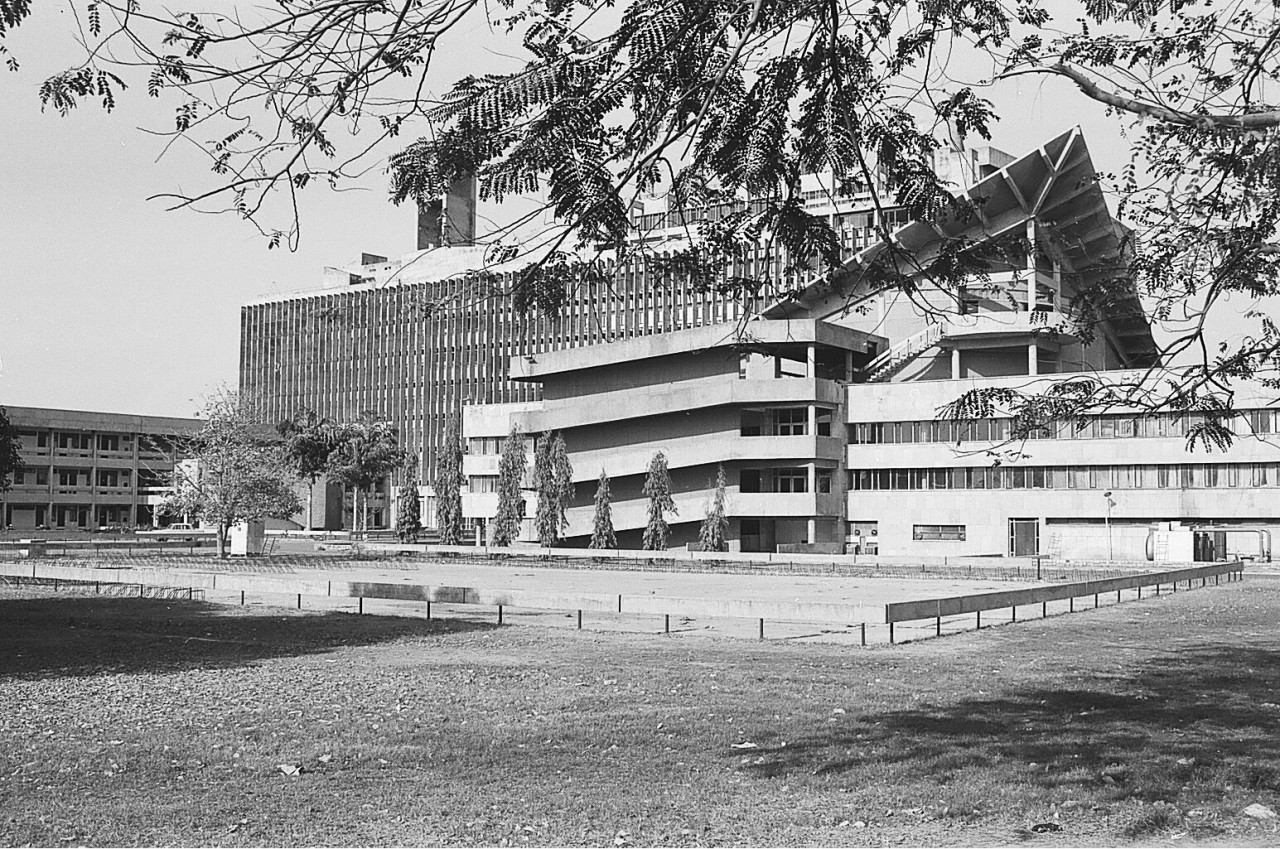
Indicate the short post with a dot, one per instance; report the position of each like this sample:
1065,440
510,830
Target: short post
619,602
97,587
55,585
428,608
1095,600
499,614
864,633
1044,609
1139,593
1037,567
891,633
979,620
666,623
939,628
1071,605
360,605
1117,596
242,598
579,620
1014,608
1157,588
762,629
299,601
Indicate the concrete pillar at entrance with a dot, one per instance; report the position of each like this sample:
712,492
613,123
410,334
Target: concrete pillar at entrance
1033,359
813,531
955,363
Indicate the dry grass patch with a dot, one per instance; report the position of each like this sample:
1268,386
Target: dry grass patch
128,721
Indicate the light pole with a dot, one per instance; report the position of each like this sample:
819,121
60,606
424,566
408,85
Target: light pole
1111,553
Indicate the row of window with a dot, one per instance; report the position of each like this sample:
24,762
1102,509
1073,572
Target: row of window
1181,476
1095,427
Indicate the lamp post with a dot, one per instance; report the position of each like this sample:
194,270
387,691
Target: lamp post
1111,553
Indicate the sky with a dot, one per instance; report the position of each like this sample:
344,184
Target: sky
109,302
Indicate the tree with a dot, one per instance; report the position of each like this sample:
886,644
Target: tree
408,509
10,461
657,488
715,527
602,535
448,485
553,477
236,472
309,442
511,468
366,451
721,100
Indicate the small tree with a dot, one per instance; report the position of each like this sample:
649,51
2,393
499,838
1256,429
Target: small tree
449,485
10,462
366,451
553,476
657,488
309,442
716,525
408,510
511,468
238,473
602,535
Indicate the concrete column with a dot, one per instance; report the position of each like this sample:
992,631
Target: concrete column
813,531
955,364
812,429
811,361
1031,266
848,366
813,479
1033,359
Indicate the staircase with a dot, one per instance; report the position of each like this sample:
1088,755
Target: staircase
887,364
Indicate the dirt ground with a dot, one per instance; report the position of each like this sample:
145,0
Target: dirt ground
148,722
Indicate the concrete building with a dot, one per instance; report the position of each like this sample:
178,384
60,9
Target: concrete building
902,482
84,470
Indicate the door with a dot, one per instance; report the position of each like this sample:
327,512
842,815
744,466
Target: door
1024,537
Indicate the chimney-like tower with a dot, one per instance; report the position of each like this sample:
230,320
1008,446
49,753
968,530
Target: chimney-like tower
450,220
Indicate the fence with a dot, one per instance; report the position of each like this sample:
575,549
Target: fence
849,615
937,608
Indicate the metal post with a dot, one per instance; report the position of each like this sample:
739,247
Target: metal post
1015,612
1037,567
864,633
1095,601
762,629
299,601
579,620
1071,605
1117,596
1139,593
666,623
979,620
360,605
1044,609
499,614
939,630
890,633
428,608
242,598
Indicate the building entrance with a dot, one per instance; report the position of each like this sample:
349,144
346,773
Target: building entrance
1024,537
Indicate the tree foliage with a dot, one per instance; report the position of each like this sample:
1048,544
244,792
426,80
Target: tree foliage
715,525
553,478
309,441
236,472
602,535
719,100
511,469
448,485
365,453
657,488
408,505
10,461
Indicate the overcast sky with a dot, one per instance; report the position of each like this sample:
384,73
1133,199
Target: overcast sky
109,302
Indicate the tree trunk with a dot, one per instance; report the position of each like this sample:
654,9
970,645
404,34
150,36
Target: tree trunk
355,511
311,498
366,513
222,540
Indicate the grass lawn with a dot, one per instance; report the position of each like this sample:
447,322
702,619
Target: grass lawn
143,722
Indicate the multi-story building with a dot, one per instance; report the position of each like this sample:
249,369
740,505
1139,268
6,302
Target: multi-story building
83,470
416,339
915,483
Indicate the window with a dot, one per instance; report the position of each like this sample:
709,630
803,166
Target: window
824,422
42,477
790,480
67,477
937,532
17,477
824,480
482,483
792,421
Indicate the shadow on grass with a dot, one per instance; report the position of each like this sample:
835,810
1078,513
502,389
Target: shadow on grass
1192,723
75,635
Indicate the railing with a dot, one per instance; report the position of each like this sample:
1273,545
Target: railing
908,347
937,608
